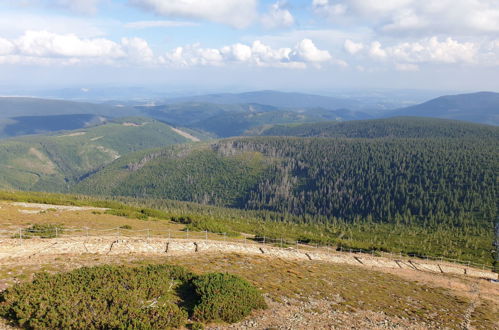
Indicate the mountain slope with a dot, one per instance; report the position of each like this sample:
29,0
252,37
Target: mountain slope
409,181
225,120
480,107
53,162
275,99
29,125
26,116
398,127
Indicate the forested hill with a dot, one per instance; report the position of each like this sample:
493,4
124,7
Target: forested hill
29,106
52,162
398,127
430,181
482,107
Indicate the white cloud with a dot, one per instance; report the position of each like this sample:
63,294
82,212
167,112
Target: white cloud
6,47
278,16
434,51
47,44
353,47
238,52
376,51
429,50
156,24
258,54
306,51
46,48
424,17
327,9
236,13
138,50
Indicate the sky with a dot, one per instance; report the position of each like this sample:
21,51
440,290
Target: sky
251,44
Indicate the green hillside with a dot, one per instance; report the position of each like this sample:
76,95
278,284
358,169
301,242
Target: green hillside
53,162
398,127
387,180
187,172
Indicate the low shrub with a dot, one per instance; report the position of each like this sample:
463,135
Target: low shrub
43,230
120,297
105,297
225,297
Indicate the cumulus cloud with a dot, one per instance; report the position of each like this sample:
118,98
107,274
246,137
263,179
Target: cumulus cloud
138,50
278,16
306,51
236,13
457,17
433,50
407,56
353,47
301,55
376,51
46,48
47,44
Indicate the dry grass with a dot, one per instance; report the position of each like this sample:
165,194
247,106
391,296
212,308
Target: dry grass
347,288
12,217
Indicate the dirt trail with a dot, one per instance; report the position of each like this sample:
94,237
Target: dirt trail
110,245
185,134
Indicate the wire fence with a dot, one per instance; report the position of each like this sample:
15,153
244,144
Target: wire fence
24,234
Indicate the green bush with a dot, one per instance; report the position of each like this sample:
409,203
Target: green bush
43,230
225,297
105,297
120,297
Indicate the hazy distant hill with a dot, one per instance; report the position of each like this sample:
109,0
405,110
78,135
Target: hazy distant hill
398,127
276,99
25,116
224,120
480,107
27,125
52,162
26,106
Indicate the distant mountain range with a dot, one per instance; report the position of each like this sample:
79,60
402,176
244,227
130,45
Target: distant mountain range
225,120
225,115
275,99
27,106
480,107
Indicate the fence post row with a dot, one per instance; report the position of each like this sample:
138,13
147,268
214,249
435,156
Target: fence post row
265,240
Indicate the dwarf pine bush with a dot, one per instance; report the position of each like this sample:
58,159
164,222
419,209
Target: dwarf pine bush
120,297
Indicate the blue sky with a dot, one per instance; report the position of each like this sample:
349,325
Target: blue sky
251,44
